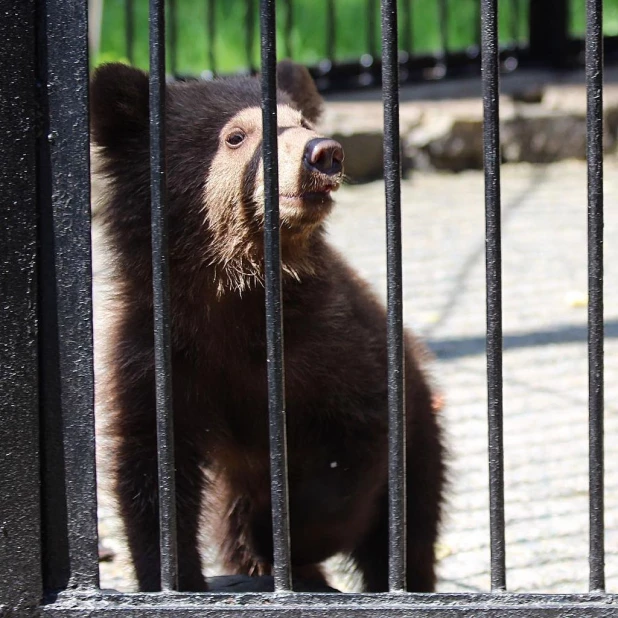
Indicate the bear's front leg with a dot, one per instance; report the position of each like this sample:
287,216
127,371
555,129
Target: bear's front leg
424,486
371,555
138,496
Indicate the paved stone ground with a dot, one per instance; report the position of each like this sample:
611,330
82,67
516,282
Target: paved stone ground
545,363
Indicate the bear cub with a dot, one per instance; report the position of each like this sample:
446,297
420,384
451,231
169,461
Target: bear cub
334,337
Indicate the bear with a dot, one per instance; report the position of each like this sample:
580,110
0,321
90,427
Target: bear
334,330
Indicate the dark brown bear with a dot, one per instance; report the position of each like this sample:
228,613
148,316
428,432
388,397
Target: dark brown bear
334,332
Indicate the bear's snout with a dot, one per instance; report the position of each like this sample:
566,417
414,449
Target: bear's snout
324,155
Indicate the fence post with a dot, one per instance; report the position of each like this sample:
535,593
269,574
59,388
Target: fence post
20,517
549,32
70,557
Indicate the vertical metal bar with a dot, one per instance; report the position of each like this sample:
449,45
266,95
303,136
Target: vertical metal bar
594,81
274,324
331,31
250,33
211,29
514,22
443,24
549,32
477,24
371,28
289,24
407,25
161,302
129,29
20,547
66,359
490,59
396,403
173,33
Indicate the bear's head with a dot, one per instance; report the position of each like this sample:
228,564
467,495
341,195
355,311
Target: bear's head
215,186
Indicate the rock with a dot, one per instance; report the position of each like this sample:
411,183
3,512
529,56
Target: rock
541,122
530,94
543,137
364,155
359,126
446,144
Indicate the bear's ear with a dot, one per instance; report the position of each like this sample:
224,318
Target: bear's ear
295,80
119,107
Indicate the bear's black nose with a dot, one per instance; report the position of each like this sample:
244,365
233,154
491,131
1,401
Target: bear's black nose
324,155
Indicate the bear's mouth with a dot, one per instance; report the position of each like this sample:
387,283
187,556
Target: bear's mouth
309,198
309,207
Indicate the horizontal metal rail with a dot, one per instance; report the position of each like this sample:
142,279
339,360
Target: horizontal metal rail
206,605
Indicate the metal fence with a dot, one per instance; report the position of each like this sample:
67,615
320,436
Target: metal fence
48,515
532,34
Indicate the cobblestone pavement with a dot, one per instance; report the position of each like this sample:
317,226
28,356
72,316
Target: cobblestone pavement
545,362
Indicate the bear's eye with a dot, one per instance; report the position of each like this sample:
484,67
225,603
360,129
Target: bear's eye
305,125
235,139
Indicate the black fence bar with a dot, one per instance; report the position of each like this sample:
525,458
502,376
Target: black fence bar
490,60
20,516
55,536
594,82
544,40
211,29
70,548
274,324
371,28
173,34
161,301
250,33
407,26
396,403
443,26
129,29
289,24
515,22
477,30
331,31
549,32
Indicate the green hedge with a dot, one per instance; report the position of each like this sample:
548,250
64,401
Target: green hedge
308,35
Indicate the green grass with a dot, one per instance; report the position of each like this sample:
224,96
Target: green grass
308,36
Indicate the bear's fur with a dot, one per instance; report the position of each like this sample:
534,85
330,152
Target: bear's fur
334,334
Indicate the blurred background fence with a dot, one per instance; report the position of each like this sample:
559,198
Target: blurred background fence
340,39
